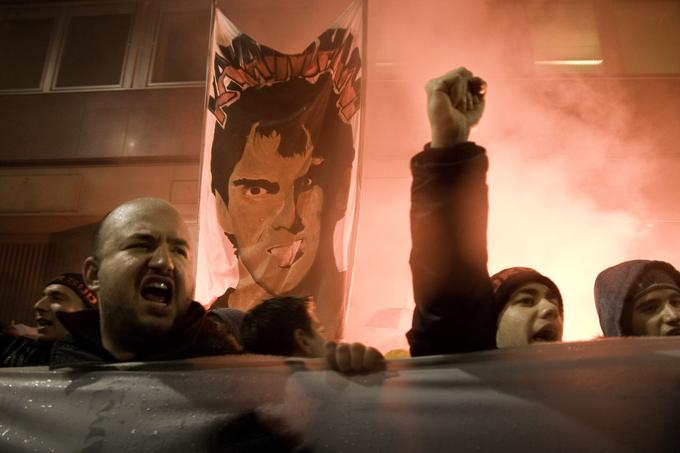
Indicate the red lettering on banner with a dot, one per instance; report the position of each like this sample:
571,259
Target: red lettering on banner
264,71
296,65
282,67
267,66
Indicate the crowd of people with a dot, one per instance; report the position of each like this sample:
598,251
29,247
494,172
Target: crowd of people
133,300
459,307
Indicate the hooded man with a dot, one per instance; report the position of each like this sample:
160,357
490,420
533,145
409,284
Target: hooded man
638,298
529,307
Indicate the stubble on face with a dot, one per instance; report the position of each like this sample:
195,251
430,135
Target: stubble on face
143,274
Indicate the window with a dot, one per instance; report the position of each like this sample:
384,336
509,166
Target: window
103,45
181,47
24,43
94,50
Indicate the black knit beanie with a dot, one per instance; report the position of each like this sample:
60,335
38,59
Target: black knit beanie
505,282
77,284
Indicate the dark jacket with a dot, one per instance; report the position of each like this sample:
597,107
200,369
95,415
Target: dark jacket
230,319
615,285
193,335
21,351
453,293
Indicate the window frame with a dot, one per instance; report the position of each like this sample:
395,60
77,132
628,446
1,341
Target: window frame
149,48
52,12
129,56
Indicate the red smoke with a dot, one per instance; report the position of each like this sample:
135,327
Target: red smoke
577,166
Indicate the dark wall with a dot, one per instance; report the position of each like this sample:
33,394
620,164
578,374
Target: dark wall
101,125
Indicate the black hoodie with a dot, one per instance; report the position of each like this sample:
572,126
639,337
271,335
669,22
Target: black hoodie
613,287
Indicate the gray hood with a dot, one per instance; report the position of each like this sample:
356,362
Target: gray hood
613,286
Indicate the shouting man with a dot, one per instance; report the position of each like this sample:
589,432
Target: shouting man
141,271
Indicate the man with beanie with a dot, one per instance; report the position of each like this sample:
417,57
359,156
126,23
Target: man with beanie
449,204
529,307
639,298
456,310
65,293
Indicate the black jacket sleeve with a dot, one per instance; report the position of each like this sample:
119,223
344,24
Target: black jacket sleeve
452,290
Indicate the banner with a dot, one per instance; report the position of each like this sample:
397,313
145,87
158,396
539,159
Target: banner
280,169
618,395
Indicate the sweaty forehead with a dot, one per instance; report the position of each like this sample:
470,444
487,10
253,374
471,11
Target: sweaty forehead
145,219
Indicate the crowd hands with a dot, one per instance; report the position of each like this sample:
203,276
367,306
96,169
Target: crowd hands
133,300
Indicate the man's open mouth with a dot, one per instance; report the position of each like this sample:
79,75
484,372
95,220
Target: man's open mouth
157,290
546,333
286,255
42,322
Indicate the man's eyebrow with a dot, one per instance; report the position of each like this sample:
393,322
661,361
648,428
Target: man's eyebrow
268,185
179,241
647,303
147,237
529,291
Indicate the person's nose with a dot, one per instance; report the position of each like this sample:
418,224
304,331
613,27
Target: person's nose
287,216
42,305
547,309
161,260
671,313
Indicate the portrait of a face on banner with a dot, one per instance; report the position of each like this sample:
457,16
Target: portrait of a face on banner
280,169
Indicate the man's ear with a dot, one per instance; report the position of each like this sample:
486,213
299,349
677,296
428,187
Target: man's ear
223,214
302,342
91,273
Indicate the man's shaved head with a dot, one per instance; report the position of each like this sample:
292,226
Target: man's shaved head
141,270
119,211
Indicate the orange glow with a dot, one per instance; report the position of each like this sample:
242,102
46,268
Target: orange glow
572,158
569,62
570,165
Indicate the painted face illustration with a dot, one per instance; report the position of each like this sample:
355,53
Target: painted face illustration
273,213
